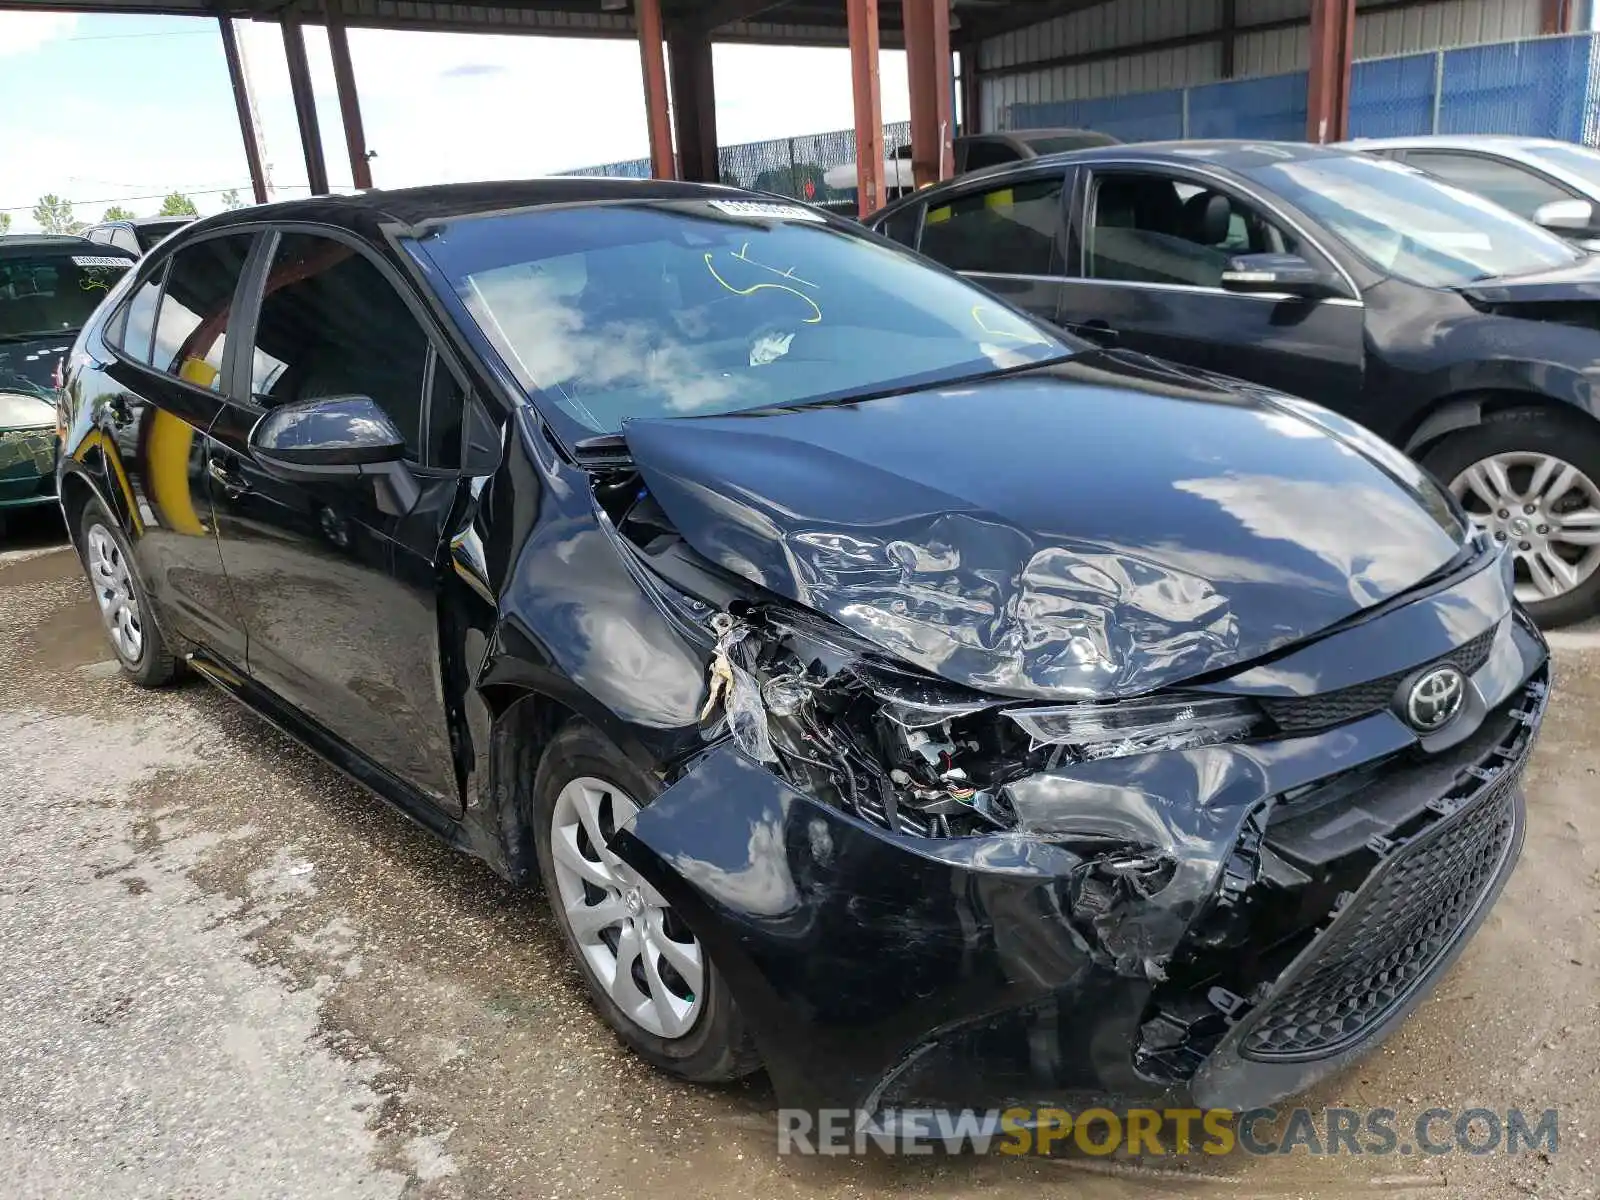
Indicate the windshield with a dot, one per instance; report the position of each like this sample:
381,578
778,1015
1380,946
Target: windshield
681,308
52,292
1575,160
1412,225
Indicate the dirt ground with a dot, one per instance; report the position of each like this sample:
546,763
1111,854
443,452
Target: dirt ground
227,971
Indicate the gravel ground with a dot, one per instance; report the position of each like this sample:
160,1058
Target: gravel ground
228,972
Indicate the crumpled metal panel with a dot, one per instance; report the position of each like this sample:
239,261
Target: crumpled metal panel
1053,535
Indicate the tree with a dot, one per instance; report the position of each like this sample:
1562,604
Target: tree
117,213
54,215
5,222
230,199
178,205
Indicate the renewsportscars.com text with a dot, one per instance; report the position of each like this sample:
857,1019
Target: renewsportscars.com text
1173,1131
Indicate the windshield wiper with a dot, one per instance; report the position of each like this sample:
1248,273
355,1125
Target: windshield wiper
910,385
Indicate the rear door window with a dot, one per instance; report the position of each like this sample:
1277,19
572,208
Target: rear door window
902,226
192,324
1007,229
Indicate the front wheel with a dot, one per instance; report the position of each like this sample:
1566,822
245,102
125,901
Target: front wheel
646,971
1531,480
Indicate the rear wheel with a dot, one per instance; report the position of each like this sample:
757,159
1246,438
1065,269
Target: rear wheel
646,971
1531,480
124,607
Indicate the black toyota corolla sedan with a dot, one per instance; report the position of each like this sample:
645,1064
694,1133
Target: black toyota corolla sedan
1452,328
888,691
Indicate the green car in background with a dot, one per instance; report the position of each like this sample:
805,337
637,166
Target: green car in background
48,287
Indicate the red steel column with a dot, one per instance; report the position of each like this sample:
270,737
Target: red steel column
869,112
305,103
657,107
344,79
694,105
1333,28
1555,16
928,67
246,107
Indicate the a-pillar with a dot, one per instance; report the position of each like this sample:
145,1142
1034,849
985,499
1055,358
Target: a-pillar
869,112
932,79
694,104
1333,27
657,107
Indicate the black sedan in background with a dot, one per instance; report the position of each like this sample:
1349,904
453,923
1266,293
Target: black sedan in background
889,691
1455,330
48,287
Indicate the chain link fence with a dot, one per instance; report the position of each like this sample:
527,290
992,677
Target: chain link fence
1539,87
795,166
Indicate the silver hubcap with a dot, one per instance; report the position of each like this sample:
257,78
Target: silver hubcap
1545,509
643,956
113,589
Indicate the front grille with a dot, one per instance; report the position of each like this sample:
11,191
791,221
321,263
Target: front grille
1394,930
1299,714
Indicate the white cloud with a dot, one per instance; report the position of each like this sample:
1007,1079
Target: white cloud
26,32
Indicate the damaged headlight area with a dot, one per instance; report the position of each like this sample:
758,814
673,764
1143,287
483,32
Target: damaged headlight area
1094,731
909,752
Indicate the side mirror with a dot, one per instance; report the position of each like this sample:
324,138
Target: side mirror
1565,216
333,439
1279,274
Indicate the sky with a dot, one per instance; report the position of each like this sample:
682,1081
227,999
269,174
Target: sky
123,110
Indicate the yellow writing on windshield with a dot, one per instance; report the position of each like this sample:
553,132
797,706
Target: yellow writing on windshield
743,255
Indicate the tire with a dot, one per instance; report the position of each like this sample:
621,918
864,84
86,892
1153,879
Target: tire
708,1043
124,605
1505,457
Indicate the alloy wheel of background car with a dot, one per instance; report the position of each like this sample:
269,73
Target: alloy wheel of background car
113,591
647,961
1545,509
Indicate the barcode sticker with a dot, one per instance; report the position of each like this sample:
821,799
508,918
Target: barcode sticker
98,260
767,210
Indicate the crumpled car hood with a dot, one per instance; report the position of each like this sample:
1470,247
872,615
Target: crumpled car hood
1093,530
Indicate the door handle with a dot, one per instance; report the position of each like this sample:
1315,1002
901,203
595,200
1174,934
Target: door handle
226,476
1097,331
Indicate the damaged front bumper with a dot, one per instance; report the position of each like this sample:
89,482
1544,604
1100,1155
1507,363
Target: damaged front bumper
1230,922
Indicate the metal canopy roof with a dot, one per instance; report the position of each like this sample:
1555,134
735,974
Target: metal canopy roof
801,22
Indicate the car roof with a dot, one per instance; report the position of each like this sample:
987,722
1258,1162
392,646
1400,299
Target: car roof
16,244
1450,141
1229,154
414,206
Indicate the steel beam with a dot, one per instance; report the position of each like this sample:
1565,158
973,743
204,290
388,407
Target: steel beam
863,16
657,106
244,103
344,80
1555,16
305,102
694,105
1333,25
928,70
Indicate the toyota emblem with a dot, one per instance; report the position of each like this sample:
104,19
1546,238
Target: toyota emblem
1435,698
